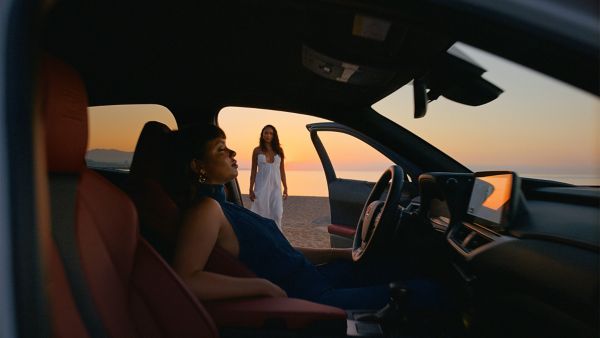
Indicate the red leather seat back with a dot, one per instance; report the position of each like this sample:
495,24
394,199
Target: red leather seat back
134,291
65,319
159,215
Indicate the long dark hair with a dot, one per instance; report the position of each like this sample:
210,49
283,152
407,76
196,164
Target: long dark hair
188,143
274,142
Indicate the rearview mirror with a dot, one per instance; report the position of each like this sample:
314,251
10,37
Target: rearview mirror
420,98
456,77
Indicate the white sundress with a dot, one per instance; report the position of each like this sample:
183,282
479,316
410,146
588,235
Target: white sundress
267,189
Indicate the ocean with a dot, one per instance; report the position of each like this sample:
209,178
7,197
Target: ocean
313,183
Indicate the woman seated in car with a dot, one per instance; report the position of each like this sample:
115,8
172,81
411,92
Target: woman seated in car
281,269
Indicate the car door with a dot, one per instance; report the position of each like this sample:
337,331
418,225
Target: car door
351,176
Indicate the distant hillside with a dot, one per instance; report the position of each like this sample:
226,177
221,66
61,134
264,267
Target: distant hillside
108,158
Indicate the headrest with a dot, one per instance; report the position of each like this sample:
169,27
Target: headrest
64,114
151,150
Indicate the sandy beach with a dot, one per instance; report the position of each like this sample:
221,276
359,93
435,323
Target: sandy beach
305,220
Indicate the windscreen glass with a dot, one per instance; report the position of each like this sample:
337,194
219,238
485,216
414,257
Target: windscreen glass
539,127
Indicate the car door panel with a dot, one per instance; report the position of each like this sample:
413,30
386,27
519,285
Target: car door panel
346,196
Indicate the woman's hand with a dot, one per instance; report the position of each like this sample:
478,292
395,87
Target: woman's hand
252,196
269,289
285,195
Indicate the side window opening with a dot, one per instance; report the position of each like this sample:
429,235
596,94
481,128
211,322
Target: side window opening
306,211
114,130
243,126
352,158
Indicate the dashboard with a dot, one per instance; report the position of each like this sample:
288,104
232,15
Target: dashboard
525,250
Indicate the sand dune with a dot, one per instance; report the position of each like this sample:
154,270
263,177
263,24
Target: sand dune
305,220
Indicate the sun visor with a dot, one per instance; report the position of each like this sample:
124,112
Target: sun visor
459,78
345,72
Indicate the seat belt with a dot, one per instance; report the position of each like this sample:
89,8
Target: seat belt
63,199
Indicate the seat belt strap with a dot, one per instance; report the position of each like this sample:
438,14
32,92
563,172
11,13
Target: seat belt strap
63,199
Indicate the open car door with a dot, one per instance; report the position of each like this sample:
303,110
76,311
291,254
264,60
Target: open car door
351,175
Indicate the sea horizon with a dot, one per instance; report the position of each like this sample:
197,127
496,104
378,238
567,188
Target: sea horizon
312,182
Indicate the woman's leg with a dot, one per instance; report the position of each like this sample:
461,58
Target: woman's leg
355,286
348,274
368,284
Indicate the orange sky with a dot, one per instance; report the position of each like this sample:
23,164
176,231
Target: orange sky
118,127
566,147
538,125
243,134
345,152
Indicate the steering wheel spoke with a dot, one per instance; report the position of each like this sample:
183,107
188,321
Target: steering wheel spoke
378,214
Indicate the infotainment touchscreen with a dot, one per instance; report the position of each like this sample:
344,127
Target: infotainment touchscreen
492,198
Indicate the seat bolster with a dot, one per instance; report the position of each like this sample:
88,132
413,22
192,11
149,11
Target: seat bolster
162,291
65,318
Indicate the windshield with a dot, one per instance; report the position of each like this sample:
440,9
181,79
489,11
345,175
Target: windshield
539,127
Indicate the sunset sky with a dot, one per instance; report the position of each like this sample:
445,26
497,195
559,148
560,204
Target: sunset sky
537,125
243,133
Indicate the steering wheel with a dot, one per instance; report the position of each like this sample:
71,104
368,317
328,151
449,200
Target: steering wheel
378,217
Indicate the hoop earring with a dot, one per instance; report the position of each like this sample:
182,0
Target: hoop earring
202,177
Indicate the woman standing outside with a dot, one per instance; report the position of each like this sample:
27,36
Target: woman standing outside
267,175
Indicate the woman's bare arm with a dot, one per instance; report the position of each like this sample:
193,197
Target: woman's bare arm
213,286
283,180
253,173
321,256
197,238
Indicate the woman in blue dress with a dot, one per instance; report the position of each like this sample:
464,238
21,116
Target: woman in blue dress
326,276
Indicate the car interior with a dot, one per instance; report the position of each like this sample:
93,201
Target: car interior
92,247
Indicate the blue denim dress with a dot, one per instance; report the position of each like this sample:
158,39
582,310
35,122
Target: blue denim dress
265,251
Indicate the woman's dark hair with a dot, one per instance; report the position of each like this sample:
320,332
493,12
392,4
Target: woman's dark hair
274,142
192,140
188,143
